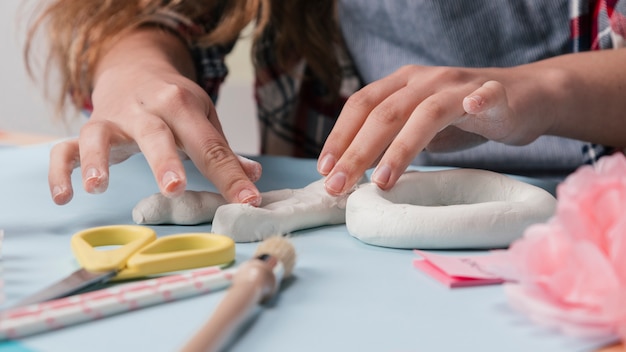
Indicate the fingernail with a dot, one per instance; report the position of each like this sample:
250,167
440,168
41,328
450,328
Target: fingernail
101,186
336,182
474,102
476,99
91,173
60,195
95,181
248,196
326,164
381,175
57,191
170,182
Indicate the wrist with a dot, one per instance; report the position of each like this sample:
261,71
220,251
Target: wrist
146,48
538,94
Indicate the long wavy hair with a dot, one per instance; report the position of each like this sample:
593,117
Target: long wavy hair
77,31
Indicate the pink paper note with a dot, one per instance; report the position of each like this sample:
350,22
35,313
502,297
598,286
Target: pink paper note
454,271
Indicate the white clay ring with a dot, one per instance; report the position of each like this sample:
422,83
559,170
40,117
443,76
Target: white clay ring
449,209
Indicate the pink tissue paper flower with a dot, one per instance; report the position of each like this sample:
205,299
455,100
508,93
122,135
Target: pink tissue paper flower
570,272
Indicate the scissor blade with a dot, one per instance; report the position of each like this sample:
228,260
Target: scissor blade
75,282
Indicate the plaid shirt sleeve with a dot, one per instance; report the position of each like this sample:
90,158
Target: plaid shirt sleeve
295,116
597,25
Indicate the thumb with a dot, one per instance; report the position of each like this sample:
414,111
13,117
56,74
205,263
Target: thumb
487,112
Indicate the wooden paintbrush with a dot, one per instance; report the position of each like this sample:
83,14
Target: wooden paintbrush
255,282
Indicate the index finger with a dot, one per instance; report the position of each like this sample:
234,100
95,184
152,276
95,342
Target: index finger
352,117
207,148
429,117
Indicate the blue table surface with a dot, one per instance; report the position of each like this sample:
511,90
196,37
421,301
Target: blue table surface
345,295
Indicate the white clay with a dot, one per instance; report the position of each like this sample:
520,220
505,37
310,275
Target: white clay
458,208
280,212
190,208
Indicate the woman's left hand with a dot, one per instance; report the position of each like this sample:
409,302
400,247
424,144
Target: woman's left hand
420,107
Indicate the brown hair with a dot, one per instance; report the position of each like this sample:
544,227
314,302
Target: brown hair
78,30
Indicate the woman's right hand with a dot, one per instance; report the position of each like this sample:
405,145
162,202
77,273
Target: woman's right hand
144,99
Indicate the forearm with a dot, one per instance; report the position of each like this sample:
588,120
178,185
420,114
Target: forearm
582,96
149,48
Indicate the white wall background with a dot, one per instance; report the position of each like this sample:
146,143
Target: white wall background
24,109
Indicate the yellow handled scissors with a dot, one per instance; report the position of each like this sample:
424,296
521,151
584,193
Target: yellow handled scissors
137,253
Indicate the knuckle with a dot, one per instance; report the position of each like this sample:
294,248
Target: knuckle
448,74
65,154
402,151
62,147
386,114
406,70
432,110
359,101
173,93
492,90
215,153
93,126
170,98
440,76
358,159
152,127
